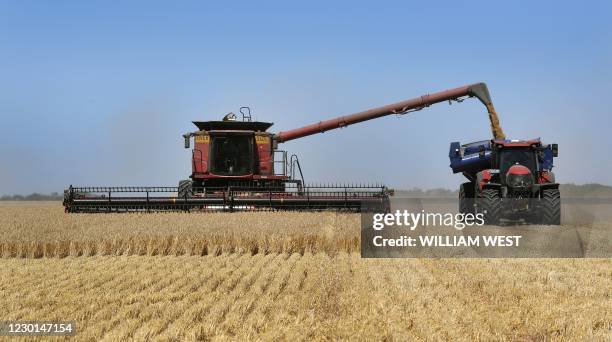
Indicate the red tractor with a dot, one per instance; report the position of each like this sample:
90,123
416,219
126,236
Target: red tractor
508,180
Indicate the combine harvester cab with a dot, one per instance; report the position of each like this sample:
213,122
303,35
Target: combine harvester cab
508,180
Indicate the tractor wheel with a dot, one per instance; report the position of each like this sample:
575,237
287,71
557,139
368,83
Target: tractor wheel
490,206
550,207
185,188
466,198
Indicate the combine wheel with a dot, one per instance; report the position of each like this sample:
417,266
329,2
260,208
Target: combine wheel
491,206
185,188
466,198
550,207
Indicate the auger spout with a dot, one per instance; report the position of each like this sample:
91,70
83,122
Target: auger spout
478,90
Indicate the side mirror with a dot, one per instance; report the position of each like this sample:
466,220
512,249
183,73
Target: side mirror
187,142
555,150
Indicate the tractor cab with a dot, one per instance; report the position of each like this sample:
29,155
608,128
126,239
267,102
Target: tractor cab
509,158
518,160
517,163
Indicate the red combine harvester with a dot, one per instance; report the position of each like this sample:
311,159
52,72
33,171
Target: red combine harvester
237,165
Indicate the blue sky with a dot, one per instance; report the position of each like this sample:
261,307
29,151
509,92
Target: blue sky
98,93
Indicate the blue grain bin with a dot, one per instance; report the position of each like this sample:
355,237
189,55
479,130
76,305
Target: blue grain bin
470,158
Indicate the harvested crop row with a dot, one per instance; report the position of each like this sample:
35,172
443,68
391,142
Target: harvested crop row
312,296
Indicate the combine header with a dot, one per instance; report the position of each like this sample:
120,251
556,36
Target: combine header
237,165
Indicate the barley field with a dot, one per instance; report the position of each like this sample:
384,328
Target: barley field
271,276
36,230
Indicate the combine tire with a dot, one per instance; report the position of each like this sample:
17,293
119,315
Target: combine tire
550,207
466,198
491,206
185,189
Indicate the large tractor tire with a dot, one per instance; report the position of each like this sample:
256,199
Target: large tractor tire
466,198
185,188
550,207
491,206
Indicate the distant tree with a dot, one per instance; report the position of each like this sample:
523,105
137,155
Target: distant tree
33,197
